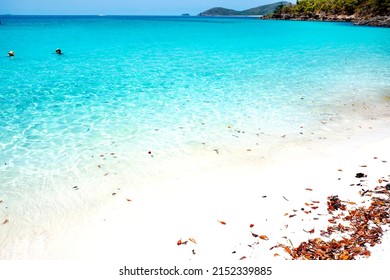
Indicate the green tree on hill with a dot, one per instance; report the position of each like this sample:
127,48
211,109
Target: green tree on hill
337,7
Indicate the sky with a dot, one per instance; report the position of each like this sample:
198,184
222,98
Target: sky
121,7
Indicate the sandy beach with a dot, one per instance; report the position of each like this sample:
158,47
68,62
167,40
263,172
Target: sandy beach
210,208
212,213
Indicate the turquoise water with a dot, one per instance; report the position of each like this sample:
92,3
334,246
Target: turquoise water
169,85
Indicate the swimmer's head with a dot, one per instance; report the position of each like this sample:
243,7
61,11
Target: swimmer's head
11,53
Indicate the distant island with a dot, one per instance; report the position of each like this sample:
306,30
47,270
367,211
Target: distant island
258,11
361,12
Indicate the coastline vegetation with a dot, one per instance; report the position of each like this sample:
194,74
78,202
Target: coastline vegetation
336,7
361,12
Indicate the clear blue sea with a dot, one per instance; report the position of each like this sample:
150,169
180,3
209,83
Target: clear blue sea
132,90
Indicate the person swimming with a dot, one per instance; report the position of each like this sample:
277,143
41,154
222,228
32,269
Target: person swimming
11,53
58,51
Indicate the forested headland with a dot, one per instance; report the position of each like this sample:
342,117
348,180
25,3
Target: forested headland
361,12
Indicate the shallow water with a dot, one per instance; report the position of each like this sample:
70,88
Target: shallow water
130,90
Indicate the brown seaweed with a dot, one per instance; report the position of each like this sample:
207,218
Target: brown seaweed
361,227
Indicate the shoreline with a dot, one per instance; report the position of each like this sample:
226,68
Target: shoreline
130,215
375,21
144,222
194,206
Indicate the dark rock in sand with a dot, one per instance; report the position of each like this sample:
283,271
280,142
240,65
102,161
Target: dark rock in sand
360,175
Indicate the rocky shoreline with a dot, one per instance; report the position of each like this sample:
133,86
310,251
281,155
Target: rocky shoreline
377,21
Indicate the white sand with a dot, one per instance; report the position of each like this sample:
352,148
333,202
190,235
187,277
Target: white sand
186,200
